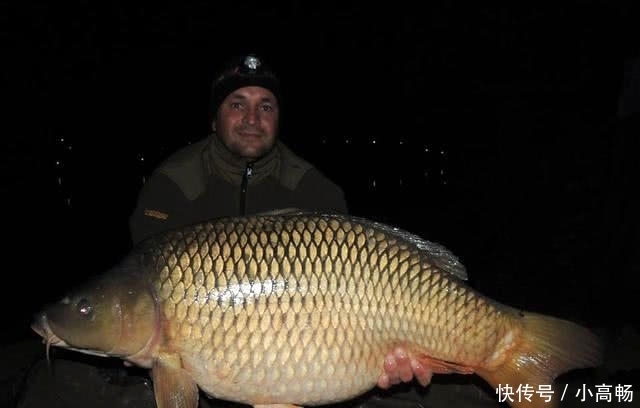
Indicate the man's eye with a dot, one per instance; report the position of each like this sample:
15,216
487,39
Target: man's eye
236,105
267,108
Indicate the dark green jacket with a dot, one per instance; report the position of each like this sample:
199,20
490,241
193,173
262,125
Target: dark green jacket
204,181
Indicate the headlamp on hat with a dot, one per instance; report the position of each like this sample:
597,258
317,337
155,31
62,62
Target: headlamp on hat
251,64
246,71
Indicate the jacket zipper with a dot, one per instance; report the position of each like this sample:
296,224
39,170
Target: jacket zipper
243,187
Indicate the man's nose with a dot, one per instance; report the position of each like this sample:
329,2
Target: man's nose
251,116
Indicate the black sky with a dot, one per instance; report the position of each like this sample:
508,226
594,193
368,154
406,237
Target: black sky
522,99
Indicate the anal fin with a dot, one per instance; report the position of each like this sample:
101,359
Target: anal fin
443,367
276,406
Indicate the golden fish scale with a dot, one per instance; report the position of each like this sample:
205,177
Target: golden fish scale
304,309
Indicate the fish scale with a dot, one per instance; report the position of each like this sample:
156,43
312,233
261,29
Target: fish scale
301,309
304,279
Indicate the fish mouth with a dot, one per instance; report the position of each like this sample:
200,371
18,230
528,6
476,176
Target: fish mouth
41,326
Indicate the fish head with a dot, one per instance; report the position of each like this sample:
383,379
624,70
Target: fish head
112,315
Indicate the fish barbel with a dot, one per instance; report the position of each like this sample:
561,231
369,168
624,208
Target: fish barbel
301,309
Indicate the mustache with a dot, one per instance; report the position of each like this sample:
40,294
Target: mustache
250,129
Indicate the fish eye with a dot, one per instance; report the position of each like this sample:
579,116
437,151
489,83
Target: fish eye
84,307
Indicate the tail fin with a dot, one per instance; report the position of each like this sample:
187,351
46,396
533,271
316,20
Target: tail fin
549,347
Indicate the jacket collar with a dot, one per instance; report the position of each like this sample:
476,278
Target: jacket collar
221,162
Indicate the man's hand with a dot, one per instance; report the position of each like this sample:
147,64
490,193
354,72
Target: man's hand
398,367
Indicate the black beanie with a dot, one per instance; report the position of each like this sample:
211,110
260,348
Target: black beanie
248,70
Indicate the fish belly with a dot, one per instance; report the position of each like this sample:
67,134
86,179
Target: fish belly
305,359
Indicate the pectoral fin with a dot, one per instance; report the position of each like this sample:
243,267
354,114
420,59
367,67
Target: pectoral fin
172,385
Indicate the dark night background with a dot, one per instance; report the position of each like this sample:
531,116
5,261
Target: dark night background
508,134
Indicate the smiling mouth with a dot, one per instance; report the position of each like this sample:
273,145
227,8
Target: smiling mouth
249,134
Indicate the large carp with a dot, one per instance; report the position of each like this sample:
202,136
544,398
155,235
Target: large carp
301,309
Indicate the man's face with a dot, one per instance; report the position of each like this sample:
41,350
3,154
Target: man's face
247,121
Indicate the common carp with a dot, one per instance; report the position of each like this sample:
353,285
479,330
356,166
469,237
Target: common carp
301,309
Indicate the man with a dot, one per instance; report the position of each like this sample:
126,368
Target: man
241,168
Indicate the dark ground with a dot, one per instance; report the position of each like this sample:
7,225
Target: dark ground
508,134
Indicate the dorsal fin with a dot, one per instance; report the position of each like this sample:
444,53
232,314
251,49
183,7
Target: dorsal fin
441,257
280,211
